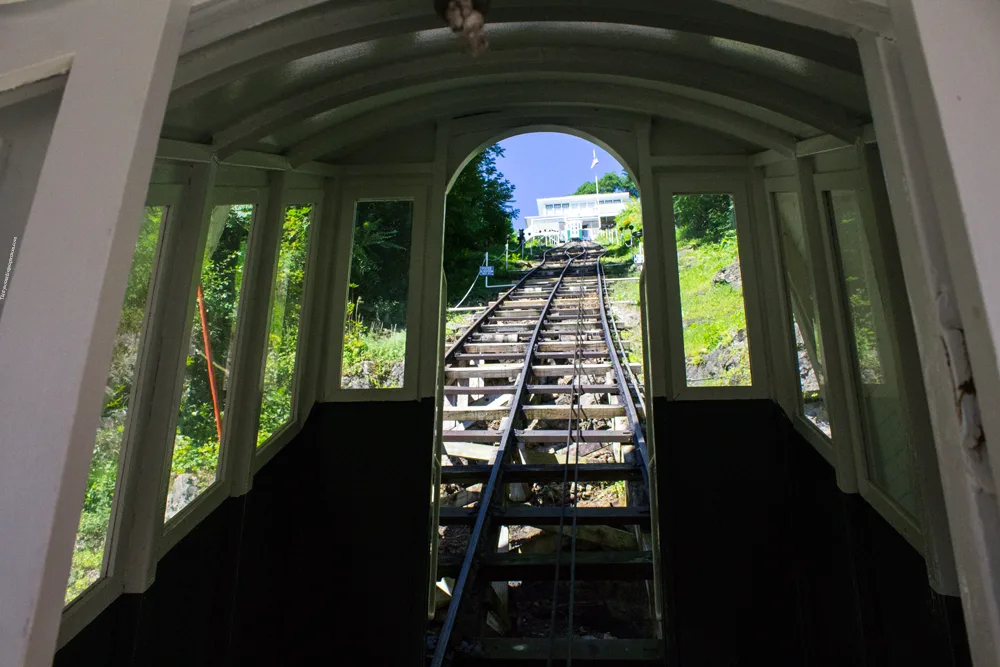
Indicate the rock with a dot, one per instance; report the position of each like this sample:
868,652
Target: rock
730,275
182,492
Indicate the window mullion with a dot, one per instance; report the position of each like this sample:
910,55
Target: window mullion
834,332
184,244
239,437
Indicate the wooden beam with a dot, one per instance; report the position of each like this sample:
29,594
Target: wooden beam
470,450
195,153
823,143
481,92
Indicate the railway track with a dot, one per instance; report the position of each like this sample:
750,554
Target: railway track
533,390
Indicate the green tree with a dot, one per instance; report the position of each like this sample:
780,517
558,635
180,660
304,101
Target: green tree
479,218
610,182
704,218
629,219
479,211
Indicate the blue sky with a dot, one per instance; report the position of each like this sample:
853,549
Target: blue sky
549,164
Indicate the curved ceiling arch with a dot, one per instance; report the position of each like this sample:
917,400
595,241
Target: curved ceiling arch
300,31
740,85
490,137
566,95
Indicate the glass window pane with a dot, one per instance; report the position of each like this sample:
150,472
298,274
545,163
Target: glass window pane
715,324
375,329
805,312
206,376
887,432
283,332
91,539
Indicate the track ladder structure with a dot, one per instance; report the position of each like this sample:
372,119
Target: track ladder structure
533,389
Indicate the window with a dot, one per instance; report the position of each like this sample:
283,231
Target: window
207,369
375,326
716,350
876,354
283,330
805,313
89,553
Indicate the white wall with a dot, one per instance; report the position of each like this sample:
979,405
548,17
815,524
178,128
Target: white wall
25,129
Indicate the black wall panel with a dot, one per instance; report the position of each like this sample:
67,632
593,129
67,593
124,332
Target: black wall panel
767,562
324,561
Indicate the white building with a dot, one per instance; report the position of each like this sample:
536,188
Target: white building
575,216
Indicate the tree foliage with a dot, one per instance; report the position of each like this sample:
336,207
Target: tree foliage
479,211
704,218
479,218
610,182
629,219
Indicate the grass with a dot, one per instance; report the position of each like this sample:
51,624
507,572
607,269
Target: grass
712,312
384,349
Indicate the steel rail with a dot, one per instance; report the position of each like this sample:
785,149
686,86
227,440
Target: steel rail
624,395
486,497
621,347
474,327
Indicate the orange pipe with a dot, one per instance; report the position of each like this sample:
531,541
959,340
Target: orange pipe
208,360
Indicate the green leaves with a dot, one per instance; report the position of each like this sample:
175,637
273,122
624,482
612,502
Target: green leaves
704,218
610,182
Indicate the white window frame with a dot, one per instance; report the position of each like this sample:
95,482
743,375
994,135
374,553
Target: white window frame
671,184
904,522
389,188
824,444
98,596
175,529
300,384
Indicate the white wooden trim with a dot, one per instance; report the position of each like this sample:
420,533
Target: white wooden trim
195,153
432,337
67,290
182,523
253,314
783,366
943,477
183,244
841,395
823,143
673,183
389,189
819,440
103,592
785,340
658,235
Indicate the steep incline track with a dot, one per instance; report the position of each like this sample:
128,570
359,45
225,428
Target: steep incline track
532,390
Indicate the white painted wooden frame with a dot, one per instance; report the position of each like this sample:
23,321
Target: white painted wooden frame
658,276
59,318
952,537
103,592
904,522
354,190
784,338
671,184
201,507
303,381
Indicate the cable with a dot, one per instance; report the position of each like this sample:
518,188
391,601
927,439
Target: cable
459,304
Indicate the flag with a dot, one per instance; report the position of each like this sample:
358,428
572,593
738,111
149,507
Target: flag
594,163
